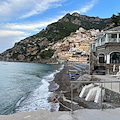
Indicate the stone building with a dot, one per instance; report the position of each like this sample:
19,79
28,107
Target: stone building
107,50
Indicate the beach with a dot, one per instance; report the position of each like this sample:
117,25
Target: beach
64,91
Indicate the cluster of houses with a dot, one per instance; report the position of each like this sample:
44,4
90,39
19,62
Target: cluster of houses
76,47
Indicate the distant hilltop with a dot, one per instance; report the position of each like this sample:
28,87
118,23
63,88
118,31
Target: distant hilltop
31,49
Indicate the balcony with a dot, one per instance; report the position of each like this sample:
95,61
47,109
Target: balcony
112,39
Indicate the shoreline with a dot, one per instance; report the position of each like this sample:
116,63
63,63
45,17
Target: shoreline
63,81
60,84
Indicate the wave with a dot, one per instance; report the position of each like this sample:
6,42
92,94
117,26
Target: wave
52,75
38,99
11,108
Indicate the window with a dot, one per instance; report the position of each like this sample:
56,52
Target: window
101,58
115,57
103,41
113,35
109,35
93,47
98,42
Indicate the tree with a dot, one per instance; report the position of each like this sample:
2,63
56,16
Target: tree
47,54
116,19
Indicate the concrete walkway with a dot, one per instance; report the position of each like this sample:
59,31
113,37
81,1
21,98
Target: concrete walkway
111,86
82,114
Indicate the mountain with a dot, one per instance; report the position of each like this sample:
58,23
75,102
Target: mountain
31,48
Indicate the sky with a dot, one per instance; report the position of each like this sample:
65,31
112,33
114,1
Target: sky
23,18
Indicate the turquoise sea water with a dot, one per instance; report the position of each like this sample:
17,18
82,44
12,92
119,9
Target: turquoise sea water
24,86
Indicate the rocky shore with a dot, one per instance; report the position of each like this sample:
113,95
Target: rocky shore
64,91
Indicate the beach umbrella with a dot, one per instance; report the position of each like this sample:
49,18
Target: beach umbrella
77,74
68,73
72,78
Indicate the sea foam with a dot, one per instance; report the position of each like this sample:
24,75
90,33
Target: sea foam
38,99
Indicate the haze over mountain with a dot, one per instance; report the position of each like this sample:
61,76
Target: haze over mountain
29,49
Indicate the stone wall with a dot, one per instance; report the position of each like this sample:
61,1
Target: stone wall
112,47
100,49
108,48
112,97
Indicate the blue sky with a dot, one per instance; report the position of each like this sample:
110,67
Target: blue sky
22,18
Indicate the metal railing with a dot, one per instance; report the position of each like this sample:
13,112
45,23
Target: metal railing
101,83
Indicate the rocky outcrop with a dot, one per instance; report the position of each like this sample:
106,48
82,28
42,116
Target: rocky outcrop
86,21
26,50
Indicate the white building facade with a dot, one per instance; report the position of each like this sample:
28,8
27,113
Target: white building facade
107,47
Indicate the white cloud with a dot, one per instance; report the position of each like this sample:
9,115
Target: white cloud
6,33
88,6
41,7
7,29
29,26
25,8
9,37
14,32
84,8
12,36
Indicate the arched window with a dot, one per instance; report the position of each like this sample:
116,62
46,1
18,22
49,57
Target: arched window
101,58
115,57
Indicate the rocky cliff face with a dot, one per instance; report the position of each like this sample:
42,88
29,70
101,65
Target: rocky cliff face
29,49
86,21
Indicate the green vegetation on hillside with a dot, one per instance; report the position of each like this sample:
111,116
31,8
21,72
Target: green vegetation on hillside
15,55
58,31
116,19
47,54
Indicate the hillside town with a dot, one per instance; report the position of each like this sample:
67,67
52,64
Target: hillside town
76,47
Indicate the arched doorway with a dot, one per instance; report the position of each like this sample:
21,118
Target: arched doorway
101,58
115,57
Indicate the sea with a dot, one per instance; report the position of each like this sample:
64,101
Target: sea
24,87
